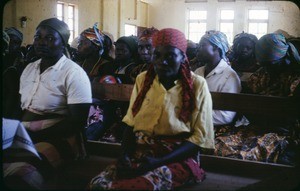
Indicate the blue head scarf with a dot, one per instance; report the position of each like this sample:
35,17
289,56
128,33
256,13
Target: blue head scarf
272,47
219,39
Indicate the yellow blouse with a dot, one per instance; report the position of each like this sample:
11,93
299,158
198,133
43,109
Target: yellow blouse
160,109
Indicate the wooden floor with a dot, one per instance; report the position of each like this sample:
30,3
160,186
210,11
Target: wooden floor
77,177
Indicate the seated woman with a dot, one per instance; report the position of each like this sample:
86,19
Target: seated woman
126,58
168,121
242,57
90,52
55,97
145,51
280,72
219,76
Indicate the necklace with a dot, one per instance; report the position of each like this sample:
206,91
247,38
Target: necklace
94,66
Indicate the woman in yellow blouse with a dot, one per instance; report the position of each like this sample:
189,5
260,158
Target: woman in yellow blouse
169,119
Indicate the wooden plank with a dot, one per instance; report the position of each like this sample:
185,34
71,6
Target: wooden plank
119,92
257,104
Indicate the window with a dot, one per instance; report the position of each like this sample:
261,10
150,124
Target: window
226,24
66,12
130,30
258,22
196,25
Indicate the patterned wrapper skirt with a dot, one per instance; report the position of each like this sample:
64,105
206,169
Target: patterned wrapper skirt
165,177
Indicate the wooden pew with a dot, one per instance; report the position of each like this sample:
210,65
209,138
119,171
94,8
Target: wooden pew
270,108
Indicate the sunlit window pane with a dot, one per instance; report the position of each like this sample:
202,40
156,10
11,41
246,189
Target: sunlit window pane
196,25
130,30
197,15
259,14
227,28
258,29
59,10
70,11
196,31
227,14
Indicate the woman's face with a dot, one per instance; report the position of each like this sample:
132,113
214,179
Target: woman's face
145,49
85,47
48,43
206,51
167,61
122,52
245,48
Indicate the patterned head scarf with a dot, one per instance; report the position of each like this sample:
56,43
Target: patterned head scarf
218,39
14,31
272,47
171,37
5,42
175,38
148,33
59,26
94,35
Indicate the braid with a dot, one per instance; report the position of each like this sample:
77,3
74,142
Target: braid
188,99
150,75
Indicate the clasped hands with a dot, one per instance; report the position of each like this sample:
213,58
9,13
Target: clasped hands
125,169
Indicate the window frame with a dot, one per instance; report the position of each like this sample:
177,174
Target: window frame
195,21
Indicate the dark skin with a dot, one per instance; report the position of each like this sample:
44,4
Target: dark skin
167,61
49,46
145,50
208,54
89,52
123,54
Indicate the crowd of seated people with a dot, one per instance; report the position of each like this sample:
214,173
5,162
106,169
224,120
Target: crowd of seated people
269,65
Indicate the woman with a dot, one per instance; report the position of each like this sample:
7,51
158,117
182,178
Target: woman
90,51
168,121
145,51
242,57
280,72
219,76
126,58
55,96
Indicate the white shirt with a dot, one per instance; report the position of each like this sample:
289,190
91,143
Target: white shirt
59,85
222,79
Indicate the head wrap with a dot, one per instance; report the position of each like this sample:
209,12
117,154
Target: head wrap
94,35
59,26
14,31
175,38
130,41
148,33
249,36
171,37
6,42
218,39
272,47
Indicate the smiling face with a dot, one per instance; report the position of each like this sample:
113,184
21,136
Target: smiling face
167,61
47,43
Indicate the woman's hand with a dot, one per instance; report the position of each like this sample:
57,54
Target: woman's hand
147,164
124,167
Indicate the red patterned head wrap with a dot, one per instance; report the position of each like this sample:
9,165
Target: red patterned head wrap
148,33
175,38
171,37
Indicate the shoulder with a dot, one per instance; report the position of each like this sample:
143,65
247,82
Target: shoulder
198,81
